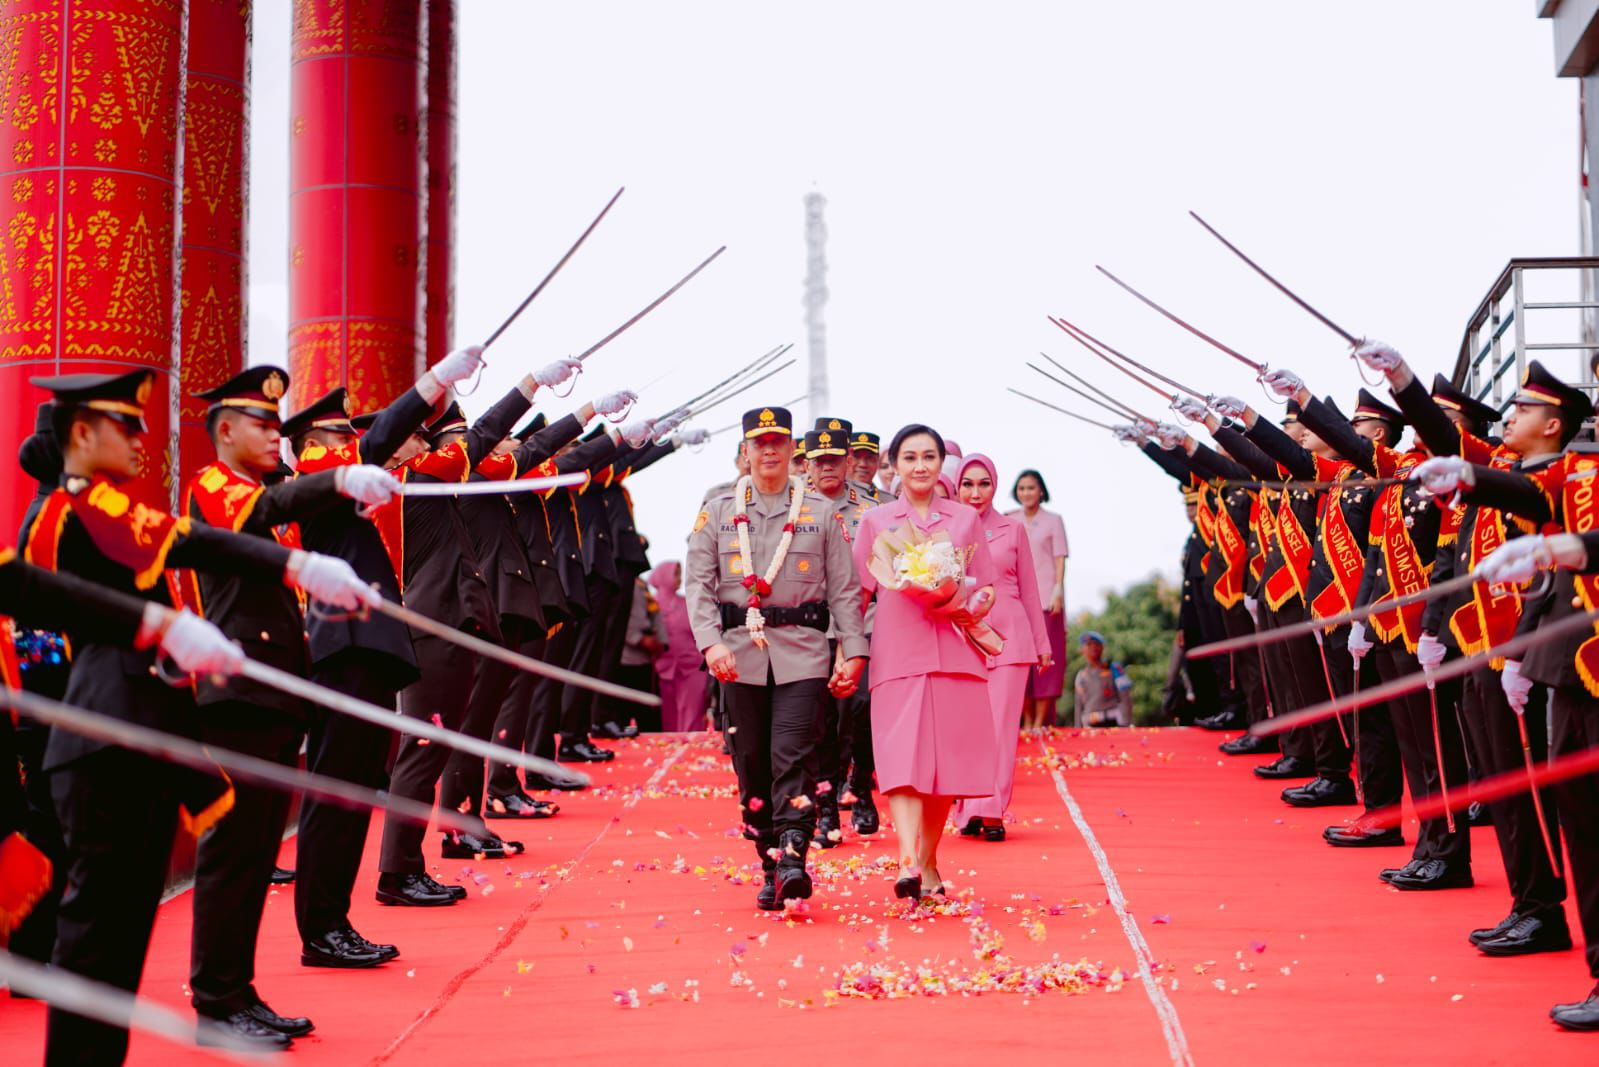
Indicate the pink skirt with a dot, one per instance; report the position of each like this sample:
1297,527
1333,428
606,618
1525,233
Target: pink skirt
1007,689
934,734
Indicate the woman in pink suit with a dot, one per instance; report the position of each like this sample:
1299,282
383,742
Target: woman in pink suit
1019,616
682,682
932,731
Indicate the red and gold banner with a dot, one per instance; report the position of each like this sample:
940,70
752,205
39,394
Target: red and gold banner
1229,588
1579,501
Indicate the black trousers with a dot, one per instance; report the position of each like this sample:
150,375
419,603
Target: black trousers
1576,728
1490,723
844,753
640,676
1299,742
773,731
234,860
331,836
444,690
1418,752
589,657
541,697
1308,676
606,708
1247,676
1371,729
118,813
462,786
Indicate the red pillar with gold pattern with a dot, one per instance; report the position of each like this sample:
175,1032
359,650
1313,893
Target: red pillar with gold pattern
438,131
355,199
90,117
215,173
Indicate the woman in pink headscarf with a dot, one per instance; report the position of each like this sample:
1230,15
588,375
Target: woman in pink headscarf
682,682
1019,616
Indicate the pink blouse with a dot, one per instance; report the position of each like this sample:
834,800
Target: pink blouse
906,641
1047,534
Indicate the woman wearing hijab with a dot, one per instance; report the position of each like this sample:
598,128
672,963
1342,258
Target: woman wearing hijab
1046,532
1019,616
931,735
682,682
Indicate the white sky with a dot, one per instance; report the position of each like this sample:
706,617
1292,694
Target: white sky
1384,158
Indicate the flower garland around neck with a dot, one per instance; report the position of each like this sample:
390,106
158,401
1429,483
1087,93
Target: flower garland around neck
760,586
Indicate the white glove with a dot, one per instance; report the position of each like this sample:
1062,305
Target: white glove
1284,383
198,647
1228,407
1128,435
1515,561
637,432
1517,687
1252,606
1443,475
1189,408
459,365
368,485
1170,436
694,435
333,582
1358,645
1378,356
614,403
663,426
1430,652
557,373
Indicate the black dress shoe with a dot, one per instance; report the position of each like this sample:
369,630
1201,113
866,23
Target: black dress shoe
1321,792
1226,720
829,831
1583,1016
1286,767
281,876
992,833
1362,835
517,806
1248,745
388,952
341,948
1433,874
766,898
584,752
973,827
411,891
298,1026
456,891
614,731
864,818
1477,937
568,785
464,846
1388,874
1527,935
242,1028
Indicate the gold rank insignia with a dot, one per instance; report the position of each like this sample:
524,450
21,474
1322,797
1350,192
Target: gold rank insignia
349,405
143,394
834,424
272,388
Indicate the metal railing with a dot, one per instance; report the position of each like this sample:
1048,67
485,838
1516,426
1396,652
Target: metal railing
1495,348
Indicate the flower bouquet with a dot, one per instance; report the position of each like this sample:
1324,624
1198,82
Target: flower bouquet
929,569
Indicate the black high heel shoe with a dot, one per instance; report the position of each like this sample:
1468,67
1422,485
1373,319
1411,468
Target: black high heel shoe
909,887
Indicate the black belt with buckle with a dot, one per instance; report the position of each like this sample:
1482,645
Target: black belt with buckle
814,615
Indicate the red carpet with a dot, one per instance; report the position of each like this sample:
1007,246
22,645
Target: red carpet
629,927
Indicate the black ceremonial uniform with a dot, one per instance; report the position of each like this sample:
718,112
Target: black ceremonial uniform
602,586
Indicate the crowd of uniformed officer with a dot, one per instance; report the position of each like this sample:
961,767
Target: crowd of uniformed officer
1319,513
279,554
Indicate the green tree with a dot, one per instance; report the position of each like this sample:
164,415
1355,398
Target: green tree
1139,625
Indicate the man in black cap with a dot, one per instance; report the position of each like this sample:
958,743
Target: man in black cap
369,657
1547,416
235,859
119,810
844,753
768,566
864,450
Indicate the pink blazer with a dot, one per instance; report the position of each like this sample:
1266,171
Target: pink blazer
1018,612
905,640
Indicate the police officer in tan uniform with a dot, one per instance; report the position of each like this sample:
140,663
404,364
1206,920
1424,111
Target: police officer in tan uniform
768,569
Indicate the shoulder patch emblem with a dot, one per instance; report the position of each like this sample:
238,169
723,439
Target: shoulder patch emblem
700,520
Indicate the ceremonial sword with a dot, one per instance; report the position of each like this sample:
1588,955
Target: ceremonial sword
188,752
488,488
1438,748
1497,787
1052,407
1321,649
1113,409
1091,387
745,387
651,306
1083,336
749,368
1170,398
1289,293
539,288
737,425
1258,368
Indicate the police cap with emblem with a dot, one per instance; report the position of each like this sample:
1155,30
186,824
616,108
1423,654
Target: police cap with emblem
452,421
840,427
1369,407
331,412
121,396
1538,386
1447,395
761,421
253,392
825,443
1292,414
861,441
